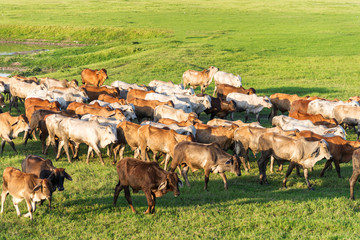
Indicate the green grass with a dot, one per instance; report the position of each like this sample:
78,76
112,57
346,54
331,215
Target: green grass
304,47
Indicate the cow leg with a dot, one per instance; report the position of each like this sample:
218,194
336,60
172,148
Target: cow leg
357,131
214,90
66,148
258,117
88,154
272,161
184,172
337,167
128,198
232,116
98,152
262,162
118,189
13,146
29,214
224,179
3,197
207,174
327,165
17,208
288,172
151,202
246,116
152,211
306,175
352,181
167,158
61,144
2,146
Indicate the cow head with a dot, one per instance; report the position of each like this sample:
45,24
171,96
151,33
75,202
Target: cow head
20,125
57,178
170,183
102,76
266,102
233,164
43,189
118,114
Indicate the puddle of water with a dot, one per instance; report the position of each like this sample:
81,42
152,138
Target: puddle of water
12,49
5,74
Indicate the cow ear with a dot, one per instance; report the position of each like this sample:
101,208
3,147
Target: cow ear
316,152
51,176
67,176
37,187
162,185
230,161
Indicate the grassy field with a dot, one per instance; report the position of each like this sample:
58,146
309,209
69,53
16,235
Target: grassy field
304,47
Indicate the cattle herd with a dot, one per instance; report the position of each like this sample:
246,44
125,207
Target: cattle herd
163,118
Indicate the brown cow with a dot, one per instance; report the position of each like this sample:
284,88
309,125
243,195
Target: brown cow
10,127
44,169
138,93
94,92
94,77
30,110
24,186
145,108
219,107
146,176
340,149
169,121
196,78
111,99
209,157
159,141
104,112
74,105
316,119
300,105
224,89
127,133
40,102
356,172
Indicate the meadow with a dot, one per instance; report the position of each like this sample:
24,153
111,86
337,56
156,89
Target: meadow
305,47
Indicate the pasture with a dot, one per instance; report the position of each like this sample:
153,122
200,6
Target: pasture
297,47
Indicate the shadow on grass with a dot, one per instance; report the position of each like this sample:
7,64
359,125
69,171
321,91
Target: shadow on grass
294,90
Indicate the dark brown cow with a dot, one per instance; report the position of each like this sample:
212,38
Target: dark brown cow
94,77
146,176
94,92
356,172
224,89
209,157
24,186
111,99
220,108
10,127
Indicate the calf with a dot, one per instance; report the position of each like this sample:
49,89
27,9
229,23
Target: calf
94,77
209,157
222,90
146,176
24,186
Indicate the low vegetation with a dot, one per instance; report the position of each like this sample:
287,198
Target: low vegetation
307,47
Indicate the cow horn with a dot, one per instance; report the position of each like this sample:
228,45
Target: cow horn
37,187
162,185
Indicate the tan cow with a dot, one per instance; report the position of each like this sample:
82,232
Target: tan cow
222,90
94,77
10,127
111,99
24,186
94,92
196,78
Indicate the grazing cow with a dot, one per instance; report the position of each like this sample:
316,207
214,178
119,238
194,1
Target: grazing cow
110,99
341,150
291,124
348,115
196,78
94,92
226,78
220,108
94,77
356,172
222,90
249,103
165,111
10,127
297,151
44,169
146,176
159,141
24,186
247,137
325,107
145,108
209,157
78,131
178,104
316,119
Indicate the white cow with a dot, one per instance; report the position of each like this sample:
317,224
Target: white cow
249,103
289,123
124,85
128,110
198,104
178,104
221,77
156,83
325,107
179,115
173,90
